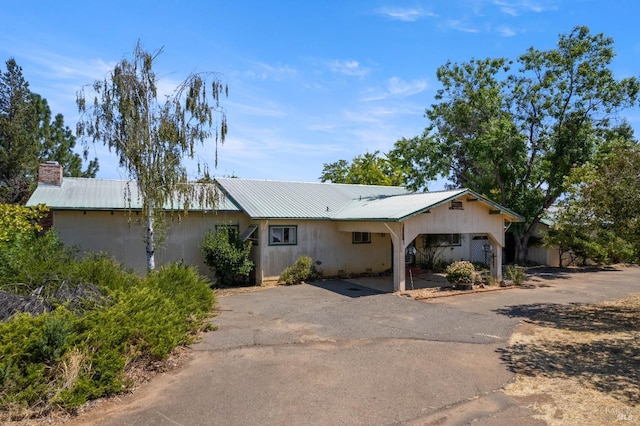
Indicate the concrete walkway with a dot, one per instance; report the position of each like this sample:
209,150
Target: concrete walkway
337,353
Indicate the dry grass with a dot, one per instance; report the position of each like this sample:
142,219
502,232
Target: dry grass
578,364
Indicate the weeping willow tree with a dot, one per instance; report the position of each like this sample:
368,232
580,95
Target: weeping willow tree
153,137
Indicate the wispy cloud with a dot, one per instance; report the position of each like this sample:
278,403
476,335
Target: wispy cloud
269,110
350,68
506,31
397,87
404,14
458,25
263,71
517,7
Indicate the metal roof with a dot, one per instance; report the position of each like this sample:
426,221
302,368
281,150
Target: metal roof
265,199
396,208
268,199
101,194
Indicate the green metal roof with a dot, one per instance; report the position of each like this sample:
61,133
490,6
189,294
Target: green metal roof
396,208
266,199
101,194
269,199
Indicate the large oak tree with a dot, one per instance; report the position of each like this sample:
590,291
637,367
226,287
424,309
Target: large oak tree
513,131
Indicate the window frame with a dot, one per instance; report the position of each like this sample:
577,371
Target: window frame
283,227
361,240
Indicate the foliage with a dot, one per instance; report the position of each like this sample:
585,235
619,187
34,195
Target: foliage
367,169
599,217
304,269
28,137
434,247
63,358
19,224
514,134
152,138
460,272
227,256
514,273
70,326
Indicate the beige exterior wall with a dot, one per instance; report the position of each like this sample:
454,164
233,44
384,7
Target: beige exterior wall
326,242
116,234
548,256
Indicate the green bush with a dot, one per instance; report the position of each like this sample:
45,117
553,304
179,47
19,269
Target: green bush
70,326
304,269
514,273
460,272
227,256
64,358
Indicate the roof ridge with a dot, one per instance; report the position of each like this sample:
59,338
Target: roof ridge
307,182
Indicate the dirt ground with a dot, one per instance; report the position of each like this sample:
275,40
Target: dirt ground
580,364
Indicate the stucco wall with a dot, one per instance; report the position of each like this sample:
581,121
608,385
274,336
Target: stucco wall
473,219
325,242
116,234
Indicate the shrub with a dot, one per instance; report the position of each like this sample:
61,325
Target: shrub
304,269
460,272
227,256
514,273
64,358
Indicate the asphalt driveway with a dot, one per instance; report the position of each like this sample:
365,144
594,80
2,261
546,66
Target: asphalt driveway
338,353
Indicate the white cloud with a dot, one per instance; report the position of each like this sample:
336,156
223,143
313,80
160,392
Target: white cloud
517,7
506,31
263,71
350,68
458,25
399,87
404,14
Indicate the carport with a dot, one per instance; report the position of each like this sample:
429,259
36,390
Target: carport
405,217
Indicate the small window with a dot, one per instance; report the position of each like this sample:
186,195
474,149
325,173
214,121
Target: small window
361,237
456,205
283,235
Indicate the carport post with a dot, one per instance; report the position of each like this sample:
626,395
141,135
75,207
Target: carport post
397,238
496,264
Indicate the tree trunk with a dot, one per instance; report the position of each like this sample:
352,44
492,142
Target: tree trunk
521,242
151,261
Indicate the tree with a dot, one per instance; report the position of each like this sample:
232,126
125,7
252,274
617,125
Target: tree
599,218
18,130
57,143
367,169
515,134
28,137
152,138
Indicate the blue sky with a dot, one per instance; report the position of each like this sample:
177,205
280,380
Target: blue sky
310,82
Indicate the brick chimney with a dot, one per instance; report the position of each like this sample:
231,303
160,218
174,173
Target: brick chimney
50,172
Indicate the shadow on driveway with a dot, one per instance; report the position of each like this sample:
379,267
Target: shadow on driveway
346,288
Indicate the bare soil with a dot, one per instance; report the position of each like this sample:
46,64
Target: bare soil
579,364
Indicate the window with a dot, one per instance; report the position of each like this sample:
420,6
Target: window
456,205
435,240
361,237
282,235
